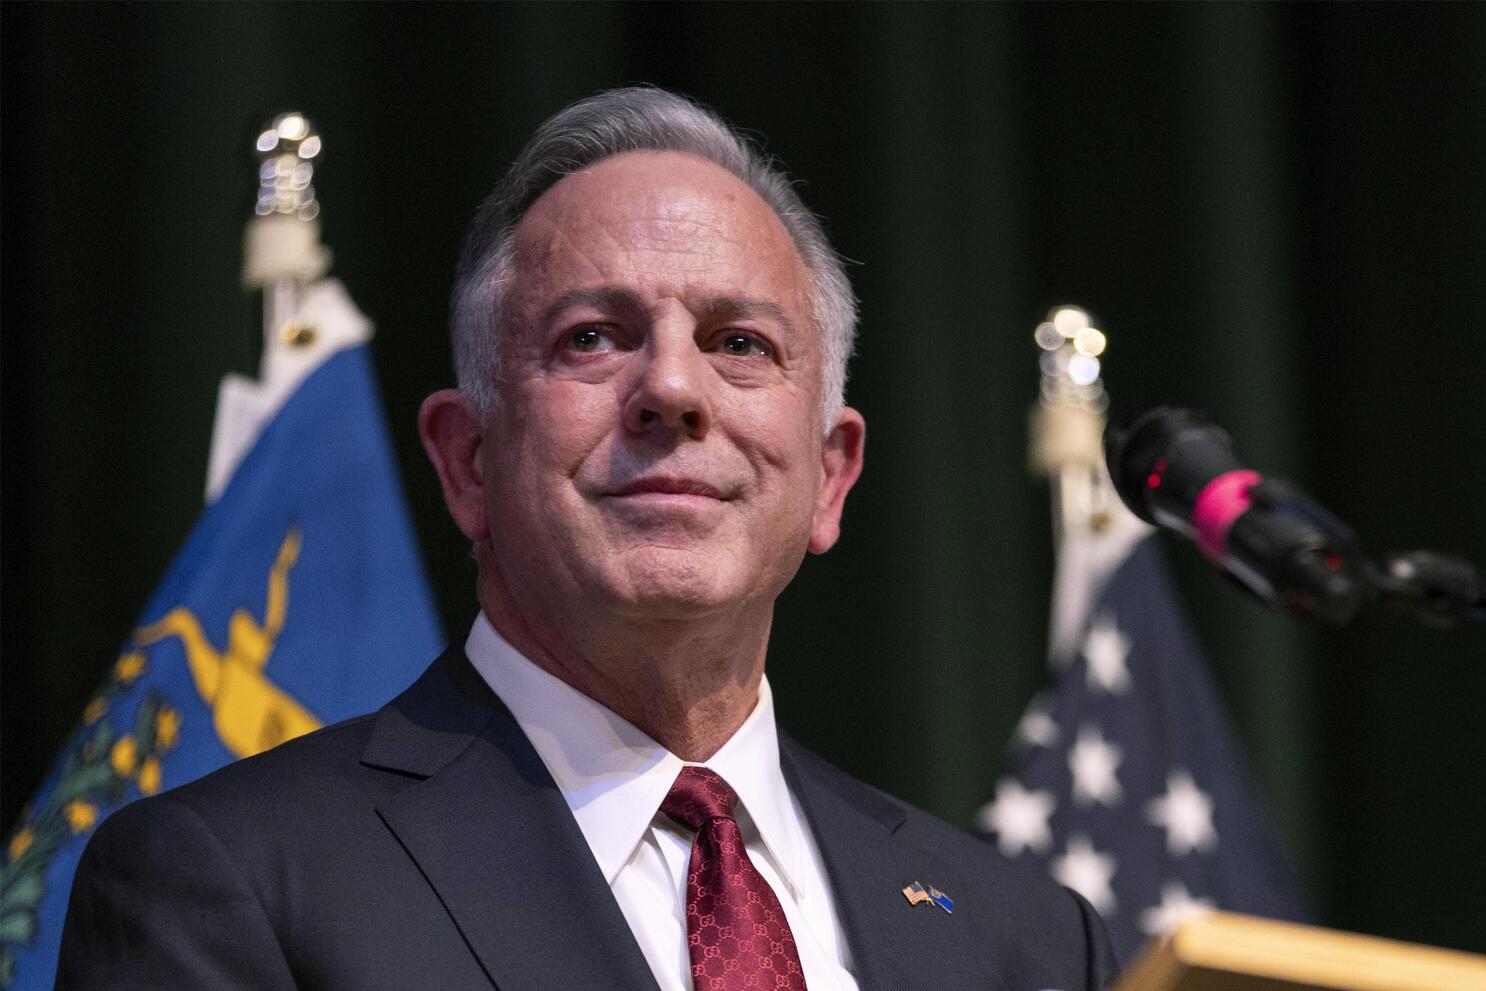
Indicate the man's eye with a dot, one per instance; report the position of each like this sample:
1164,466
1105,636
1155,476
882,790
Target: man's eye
591,338
744,346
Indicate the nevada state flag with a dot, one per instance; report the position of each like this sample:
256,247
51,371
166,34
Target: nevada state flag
298,600
1127,784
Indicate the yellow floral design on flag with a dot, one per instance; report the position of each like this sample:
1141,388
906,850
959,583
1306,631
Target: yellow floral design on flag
249,712
99,764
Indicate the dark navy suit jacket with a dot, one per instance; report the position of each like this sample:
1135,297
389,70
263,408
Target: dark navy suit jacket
426,846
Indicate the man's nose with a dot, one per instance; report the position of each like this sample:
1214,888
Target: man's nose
672,391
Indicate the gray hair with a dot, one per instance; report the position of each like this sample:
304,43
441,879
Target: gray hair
636,118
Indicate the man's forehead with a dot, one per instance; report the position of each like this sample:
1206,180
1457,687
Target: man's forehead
656,196
669,215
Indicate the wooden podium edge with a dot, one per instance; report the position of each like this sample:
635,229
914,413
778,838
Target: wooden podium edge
1308,956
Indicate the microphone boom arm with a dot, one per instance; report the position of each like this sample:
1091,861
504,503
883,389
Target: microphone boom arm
1437,589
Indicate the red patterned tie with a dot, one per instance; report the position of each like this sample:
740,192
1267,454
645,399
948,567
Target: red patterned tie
735,929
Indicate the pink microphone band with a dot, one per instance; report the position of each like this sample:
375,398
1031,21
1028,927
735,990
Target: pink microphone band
1220,502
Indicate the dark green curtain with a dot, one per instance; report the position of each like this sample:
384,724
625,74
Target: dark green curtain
1278,213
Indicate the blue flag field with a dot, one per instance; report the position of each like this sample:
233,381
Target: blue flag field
1128,785
298,600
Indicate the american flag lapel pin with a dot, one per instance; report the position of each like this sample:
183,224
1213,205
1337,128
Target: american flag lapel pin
918,894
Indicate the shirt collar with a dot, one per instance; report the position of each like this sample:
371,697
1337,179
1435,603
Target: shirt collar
614,777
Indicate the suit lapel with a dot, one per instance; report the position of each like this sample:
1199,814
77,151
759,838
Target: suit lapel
490,831
894,944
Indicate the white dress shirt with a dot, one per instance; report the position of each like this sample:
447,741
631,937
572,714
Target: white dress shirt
614,778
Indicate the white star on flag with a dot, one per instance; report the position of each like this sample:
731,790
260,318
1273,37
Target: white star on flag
1093,761
1019,818
1038,728
1177,906
1106,649
1088,872
1186,813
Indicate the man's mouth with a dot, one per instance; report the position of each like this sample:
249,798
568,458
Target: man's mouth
667,485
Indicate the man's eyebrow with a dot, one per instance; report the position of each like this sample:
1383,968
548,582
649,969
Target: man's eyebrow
617,299
739,308
609,298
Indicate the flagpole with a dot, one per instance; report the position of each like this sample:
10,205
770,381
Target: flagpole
1091,529
1068,420
282,259
282,249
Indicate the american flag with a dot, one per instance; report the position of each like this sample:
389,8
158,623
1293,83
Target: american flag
1126,783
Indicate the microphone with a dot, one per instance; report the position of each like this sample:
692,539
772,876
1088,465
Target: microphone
1177,470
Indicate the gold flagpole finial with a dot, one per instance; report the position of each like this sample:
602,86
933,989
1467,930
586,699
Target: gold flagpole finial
282,252
287,148
1067,424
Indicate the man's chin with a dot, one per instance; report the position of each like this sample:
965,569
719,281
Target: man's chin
664,584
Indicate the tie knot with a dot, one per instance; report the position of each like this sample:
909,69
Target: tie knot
698,796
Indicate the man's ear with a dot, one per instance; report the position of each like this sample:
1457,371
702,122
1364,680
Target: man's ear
451,435
841,464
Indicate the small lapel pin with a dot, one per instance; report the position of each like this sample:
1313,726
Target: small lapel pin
917,894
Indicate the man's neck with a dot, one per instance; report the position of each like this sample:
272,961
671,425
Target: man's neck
686,686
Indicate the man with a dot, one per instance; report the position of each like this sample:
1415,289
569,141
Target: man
651,334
